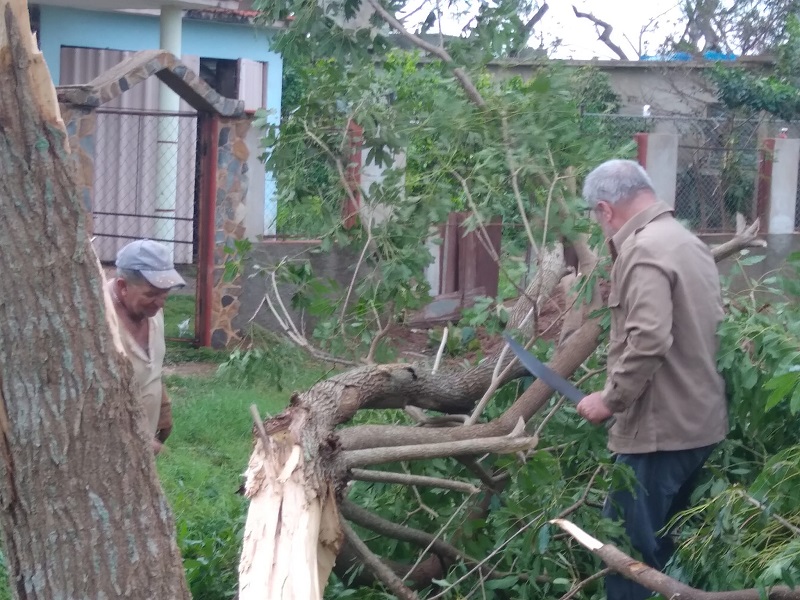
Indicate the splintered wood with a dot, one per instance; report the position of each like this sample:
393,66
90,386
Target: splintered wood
292,534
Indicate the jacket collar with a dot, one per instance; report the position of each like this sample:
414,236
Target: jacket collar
636,224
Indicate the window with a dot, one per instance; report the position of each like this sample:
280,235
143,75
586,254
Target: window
222,75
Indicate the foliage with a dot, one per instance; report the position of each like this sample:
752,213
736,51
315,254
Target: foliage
269,359
776,93
743,27
435,150
733,542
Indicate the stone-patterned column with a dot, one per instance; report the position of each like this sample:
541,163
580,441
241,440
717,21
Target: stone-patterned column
231,209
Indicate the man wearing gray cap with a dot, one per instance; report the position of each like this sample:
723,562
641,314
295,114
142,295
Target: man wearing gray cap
145,276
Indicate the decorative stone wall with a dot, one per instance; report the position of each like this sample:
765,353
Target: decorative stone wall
233,180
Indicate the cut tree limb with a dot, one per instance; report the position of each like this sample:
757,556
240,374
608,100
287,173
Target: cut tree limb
659,582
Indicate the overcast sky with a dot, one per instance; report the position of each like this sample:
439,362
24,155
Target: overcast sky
626,16
579,37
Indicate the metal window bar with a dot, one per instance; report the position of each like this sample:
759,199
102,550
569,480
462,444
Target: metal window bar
126,176
126,156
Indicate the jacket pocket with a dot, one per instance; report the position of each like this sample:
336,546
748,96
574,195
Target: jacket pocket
617,333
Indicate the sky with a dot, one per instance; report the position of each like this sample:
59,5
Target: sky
579,36
626,16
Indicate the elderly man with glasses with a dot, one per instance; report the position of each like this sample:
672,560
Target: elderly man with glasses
663,386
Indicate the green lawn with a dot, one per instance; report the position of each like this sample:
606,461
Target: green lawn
178,309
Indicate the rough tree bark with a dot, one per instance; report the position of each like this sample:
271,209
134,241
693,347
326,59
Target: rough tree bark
83,514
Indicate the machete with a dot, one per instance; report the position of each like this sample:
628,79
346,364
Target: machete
541,371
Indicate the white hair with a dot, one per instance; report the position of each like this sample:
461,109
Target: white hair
616,181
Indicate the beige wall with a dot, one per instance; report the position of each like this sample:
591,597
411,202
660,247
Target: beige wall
670,88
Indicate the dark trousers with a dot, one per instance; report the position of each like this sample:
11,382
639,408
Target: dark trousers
664,483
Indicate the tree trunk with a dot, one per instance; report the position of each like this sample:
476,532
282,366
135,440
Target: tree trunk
83,514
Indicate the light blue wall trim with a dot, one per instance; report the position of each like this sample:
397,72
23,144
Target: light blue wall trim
124,31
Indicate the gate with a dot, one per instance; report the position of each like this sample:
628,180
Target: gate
128,180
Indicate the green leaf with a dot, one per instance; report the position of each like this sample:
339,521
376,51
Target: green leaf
794,404
543,539
752,260
782,386
504,583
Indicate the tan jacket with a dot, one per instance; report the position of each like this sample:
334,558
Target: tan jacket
665,301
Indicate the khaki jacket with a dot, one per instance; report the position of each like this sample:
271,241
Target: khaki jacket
665,302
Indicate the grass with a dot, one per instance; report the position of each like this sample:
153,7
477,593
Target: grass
178,309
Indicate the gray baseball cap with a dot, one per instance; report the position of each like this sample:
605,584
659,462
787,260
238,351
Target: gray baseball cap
153,261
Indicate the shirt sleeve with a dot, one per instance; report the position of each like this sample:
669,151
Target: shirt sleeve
647,294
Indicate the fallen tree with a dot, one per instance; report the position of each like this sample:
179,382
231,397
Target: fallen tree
306,458
301,464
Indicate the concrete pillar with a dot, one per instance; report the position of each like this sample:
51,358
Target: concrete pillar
168,127
778,184
658,154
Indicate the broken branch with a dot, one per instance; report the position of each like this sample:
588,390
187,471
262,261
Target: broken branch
376,566
405,479
605,35
497,445
657,581
746,237
373,522
470,89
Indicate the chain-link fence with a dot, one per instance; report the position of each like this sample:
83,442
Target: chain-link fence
145,173
717,163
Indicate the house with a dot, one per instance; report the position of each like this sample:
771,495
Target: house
144,143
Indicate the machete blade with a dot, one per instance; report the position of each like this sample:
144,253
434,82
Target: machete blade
541,371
